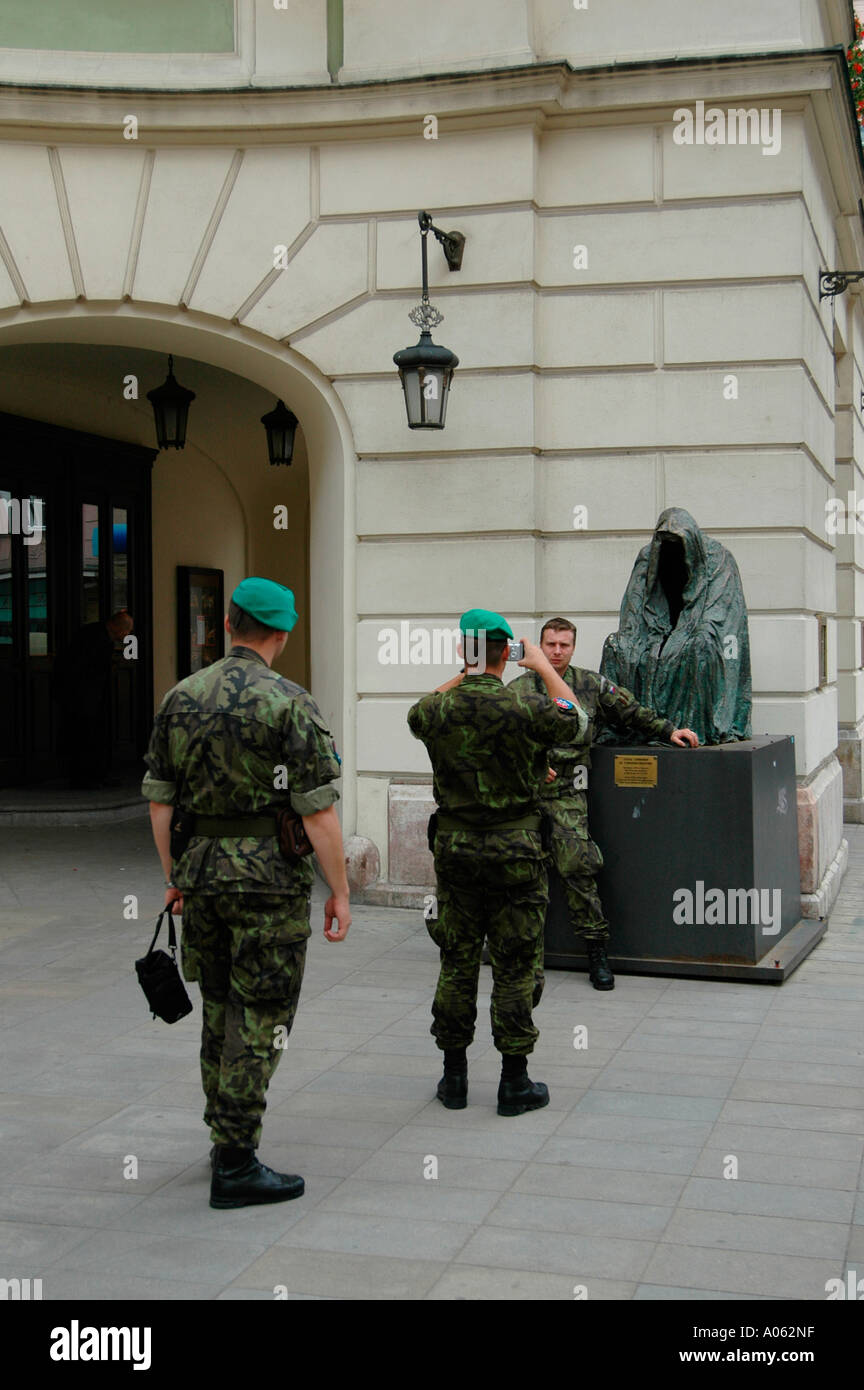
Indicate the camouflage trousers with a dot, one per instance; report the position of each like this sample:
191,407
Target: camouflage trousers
491,887
577,860
247,952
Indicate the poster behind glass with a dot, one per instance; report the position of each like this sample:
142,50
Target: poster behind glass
200,616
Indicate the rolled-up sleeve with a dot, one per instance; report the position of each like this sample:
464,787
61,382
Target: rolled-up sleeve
575,721
159,784
318,799
156,789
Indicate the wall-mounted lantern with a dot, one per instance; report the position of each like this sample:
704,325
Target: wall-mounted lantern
426,370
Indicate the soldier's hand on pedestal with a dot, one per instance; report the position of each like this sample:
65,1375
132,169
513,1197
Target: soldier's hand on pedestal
682,737
337,908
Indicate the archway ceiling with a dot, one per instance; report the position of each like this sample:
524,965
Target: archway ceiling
196,227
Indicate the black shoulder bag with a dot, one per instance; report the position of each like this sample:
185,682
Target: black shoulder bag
160,979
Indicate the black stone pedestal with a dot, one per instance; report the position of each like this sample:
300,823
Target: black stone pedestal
701,874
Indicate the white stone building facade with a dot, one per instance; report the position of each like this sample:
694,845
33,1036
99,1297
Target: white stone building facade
637,319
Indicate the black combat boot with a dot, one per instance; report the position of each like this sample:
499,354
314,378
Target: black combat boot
453,1086
239,1180
599,973
516,1092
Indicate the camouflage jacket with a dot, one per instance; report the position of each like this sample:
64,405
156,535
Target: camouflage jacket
489,746
604,703
219,741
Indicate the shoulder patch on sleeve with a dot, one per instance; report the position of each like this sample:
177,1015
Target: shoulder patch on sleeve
565,704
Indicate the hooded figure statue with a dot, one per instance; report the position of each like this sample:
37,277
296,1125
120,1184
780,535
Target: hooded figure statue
682,645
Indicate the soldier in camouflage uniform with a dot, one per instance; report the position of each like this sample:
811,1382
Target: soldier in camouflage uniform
230,745
564,803
489,747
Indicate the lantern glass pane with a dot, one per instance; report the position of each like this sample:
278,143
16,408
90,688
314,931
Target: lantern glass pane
181,415
280,447
411,385
432,394
166,424
445,394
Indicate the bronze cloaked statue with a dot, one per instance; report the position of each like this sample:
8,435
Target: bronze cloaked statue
682,644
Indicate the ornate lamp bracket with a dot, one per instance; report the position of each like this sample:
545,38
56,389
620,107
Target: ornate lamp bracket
834,282
425,315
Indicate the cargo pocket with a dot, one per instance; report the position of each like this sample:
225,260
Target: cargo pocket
268,946
574,856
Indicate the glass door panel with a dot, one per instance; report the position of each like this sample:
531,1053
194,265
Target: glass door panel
119,559
89,562
35,548
10,655
125,700
6,609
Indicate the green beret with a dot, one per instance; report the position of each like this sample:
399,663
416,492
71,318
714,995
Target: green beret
271,603
484,620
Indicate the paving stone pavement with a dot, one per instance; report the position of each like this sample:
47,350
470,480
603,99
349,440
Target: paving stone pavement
620,1185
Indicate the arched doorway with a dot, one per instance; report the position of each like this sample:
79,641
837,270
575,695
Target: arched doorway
131,335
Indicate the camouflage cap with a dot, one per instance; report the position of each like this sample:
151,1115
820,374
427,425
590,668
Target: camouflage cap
484,620
271,603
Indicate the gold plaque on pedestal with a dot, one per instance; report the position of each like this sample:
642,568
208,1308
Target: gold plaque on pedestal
635,770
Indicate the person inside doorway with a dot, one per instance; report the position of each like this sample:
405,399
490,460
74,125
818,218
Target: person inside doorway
82,688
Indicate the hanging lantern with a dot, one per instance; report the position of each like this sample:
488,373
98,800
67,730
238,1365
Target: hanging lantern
426,371
280,424
170,403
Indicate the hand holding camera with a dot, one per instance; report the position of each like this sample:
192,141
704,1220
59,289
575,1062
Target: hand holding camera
530,656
